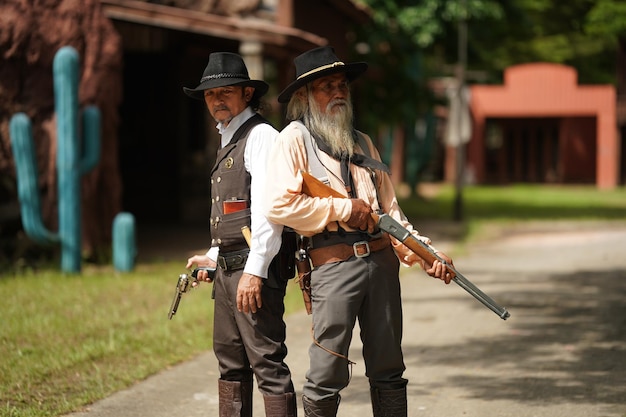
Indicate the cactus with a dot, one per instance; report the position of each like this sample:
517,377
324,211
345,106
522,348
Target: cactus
72,162
124,245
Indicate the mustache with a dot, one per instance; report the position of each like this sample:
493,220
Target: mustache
220,107
336,102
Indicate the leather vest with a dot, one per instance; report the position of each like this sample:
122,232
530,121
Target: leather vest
230,186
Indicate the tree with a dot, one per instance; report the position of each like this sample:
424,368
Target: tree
410,42
406,47
403,46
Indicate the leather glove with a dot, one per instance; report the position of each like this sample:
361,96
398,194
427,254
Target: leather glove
361,218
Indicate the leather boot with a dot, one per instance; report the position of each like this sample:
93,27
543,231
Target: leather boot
326,408
235,398
389,403
283,405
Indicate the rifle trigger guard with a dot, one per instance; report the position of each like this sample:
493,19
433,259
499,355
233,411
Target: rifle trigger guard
361,249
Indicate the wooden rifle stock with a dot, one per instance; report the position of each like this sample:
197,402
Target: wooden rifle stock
313,187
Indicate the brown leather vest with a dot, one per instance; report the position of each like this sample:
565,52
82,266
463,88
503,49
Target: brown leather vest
231,182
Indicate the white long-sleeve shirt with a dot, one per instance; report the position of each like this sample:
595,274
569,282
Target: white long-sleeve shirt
266,236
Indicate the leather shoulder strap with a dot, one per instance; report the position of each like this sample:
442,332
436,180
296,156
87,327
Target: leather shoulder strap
247,126
315,165
240,133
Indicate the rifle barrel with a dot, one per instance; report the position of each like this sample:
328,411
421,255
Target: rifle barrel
395,229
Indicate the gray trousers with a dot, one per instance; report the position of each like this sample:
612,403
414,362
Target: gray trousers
253,343
367,289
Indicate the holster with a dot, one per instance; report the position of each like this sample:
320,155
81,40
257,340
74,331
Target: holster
283,268
303,265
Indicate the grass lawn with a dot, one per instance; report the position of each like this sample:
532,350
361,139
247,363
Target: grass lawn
521,202
67,341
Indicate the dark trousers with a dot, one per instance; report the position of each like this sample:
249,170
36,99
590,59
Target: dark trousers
367,289
252,343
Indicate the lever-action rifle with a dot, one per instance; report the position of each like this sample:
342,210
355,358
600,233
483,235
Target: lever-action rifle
313,187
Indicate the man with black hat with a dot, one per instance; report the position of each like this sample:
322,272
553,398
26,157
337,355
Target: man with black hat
249,330
355,267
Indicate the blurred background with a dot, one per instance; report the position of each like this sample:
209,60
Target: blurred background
503,121
458,92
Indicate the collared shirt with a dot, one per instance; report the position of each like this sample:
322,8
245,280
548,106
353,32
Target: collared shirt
266,236
285,203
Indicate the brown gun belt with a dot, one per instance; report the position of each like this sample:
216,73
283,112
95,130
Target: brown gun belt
342,251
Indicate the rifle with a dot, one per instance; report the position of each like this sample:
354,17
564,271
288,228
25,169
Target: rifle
313,187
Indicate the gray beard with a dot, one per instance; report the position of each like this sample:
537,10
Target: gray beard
335,129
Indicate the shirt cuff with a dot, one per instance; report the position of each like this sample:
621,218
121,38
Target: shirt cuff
213,252
343,208
256,265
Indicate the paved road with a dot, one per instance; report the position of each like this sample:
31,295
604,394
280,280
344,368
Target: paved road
561,354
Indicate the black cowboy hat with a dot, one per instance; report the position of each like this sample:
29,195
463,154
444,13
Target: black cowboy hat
317,63
225,68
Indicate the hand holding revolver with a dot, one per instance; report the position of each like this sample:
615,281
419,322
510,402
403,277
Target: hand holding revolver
183,285
203,262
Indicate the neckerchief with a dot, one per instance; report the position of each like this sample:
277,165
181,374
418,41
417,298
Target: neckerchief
356,159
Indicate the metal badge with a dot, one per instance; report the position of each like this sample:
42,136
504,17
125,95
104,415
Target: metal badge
229,163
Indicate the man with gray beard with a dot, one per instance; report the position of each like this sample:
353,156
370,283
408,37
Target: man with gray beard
355,266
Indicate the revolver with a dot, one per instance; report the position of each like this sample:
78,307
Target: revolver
184,284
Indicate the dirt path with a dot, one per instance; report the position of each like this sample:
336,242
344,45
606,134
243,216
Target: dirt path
561,354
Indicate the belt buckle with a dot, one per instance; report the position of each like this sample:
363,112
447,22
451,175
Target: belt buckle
361,249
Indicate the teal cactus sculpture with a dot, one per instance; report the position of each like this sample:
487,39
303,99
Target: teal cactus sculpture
124,245
72,162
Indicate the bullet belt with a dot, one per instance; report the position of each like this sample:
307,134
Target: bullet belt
342,251
233,261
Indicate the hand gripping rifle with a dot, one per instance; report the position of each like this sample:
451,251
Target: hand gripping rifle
313,187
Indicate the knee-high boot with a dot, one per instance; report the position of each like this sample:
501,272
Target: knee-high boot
326,408
283,405
389,403
235,398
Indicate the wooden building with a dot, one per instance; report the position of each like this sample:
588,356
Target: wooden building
166,140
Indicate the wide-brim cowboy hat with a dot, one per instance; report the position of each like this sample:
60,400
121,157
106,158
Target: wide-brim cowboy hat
224,69
317,63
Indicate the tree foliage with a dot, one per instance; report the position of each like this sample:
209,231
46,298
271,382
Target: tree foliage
579,33
607,21
407,44
410,41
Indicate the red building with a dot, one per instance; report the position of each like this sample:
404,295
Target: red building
541,126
